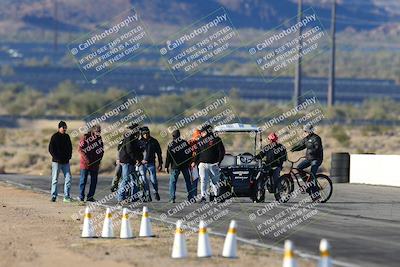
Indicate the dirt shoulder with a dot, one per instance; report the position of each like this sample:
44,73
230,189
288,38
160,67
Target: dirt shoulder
36,232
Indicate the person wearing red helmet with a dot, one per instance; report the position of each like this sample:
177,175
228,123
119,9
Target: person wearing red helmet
272,137
274,155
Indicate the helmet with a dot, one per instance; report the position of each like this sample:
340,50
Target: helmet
309,128
144,130
272,137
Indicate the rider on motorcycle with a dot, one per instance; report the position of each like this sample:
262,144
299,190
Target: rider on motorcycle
314,156
274,155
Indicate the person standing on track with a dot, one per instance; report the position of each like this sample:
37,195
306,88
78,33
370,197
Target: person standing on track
179,154
151,148
314,157
91,152
210,153
60,149
129,155
194,170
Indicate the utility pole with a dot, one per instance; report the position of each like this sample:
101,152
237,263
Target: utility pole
55,26
331,85
297,78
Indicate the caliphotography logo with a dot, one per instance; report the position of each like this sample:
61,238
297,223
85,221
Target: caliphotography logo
115,42
293,41
197,46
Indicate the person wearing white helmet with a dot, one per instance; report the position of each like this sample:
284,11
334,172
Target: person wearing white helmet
314,156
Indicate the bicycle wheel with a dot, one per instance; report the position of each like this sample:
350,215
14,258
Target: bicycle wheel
286,188
325,187
260,190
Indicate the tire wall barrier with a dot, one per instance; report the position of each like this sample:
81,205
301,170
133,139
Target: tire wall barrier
375,169
340,167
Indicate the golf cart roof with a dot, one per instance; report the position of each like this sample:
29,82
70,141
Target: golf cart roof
237,127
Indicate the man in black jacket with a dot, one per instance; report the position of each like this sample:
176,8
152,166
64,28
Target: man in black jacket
314,157
130,154
274,155
60,148
210,153
151,148
179,154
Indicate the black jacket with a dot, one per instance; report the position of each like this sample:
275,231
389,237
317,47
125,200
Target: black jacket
151,148
179,153
130,150
210,149
60,148
274,155
313,144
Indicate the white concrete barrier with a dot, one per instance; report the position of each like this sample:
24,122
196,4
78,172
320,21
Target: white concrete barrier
375,169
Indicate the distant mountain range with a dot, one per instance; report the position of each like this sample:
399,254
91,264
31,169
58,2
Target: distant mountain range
82,15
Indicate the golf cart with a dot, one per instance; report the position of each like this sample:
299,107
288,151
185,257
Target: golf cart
241,170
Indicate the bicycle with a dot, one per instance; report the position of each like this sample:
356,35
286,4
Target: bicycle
262,180
140,184
303,179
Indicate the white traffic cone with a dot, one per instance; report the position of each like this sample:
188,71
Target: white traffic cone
288,256
325,257
145,224
108,231
203,244
179,249
230,244
126,230
88,230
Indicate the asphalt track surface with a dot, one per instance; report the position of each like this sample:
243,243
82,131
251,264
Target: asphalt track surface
361,222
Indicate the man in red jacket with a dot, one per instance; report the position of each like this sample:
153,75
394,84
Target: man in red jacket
91,150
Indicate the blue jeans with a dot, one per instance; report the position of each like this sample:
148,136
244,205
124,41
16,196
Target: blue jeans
314,168
55,171
127,182
173,179
153,176
83,181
